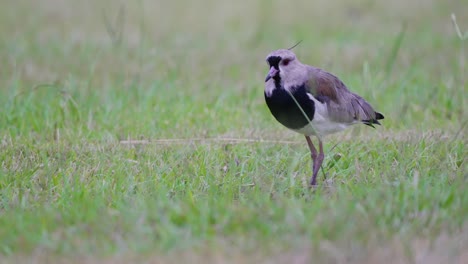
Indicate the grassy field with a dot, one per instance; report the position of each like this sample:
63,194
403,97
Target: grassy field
137,132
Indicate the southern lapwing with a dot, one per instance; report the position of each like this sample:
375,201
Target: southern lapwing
312,102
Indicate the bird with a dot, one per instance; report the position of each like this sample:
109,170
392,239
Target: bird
312,102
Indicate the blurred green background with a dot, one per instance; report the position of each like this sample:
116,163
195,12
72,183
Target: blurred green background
80,79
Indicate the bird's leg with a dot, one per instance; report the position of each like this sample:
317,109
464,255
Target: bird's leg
314,156
318,161
313,150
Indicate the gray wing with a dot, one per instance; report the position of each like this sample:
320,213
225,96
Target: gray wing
343,105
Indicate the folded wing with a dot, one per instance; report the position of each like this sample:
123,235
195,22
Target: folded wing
343,105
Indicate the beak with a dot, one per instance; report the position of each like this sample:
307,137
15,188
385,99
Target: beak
272,73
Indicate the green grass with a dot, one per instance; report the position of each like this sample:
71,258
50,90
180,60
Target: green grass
157,145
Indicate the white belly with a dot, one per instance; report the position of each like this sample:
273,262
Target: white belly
321,124
321,128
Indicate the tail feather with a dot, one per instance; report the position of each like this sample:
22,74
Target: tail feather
379,116
371,122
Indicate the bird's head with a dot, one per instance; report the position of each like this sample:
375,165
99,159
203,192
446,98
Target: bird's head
282,63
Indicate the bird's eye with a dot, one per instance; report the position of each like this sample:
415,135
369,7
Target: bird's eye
285,62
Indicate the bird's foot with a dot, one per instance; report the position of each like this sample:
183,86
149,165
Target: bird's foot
313,180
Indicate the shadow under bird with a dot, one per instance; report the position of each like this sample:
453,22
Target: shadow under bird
312,102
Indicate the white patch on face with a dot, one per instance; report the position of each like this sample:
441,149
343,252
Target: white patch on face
269,87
